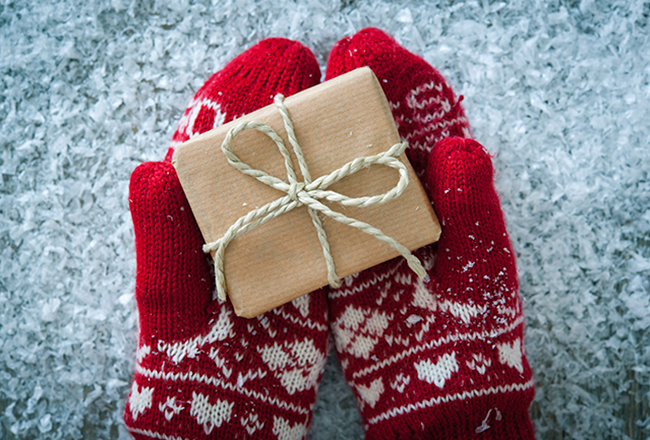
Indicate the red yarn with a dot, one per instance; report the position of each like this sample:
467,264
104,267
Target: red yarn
424,105
444,357
247,83
202,372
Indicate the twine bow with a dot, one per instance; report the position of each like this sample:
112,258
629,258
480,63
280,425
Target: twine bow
308,193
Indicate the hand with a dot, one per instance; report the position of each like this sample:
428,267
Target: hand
201,371
441,357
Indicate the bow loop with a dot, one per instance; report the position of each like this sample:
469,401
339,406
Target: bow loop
308,193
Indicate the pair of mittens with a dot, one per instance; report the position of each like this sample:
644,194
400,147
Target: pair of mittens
438,358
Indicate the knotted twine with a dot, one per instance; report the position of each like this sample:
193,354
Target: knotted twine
308,193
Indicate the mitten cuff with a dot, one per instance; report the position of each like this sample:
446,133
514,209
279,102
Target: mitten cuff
484,417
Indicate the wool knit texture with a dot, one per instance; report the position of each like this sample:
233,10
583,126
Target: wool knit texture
443,357
201,371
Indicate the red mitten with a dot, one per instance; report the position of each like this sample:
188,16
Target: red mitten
441,357
201,371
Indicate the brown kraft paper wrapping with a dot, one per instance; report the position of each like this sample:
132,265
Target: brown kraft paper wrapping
334,122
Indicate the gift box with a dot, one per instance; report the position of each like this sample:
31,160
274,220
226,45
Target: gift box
335,123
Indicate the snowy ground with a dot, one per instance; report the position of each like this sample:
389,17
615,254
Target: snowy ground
557,90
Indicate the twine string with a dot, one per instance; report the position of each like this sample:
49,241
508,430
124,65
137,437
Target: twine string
309,193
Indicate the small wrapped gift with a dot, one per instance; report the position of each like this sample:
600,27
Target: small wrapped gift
299,194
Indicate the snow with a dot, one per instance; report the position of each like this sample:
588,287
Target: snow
557,91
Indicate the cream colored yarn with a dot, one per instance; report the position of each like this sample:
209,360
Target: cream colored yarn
308,193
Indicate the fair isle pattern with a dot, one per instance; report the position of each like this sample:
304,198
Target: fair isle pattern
220,330
424,106
350,287
139,400
510,354
431,109
372,393
360,333
399,338
302,304
234,91
202,372
252,424
176,383
207,111
170,408
428,113
439,371
293,363
285,431
449,339
465,395
441,357
209,415
195,378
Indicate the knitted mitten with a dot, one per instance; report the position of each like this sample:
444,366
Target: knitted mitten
442,357
201,371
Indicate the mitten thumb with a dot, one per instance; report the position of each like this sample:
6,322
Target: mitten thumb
173,281
474,251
